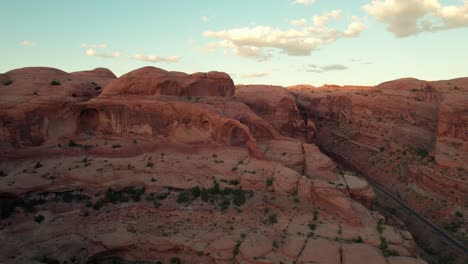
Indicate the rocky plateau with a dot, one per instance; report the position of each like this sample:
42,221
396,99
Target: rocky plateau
168,167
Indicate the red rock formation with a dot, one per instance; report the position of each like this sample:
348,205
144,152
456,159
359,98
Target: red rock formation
276,105
154,81
408,135
100,76
165,165
37,104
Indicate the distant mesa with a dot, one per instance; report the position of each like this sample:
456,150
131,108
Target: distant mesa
150,81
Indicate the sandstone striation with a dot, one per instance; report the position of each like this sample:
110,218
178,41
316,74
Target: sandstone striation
171,167
150,81
407,135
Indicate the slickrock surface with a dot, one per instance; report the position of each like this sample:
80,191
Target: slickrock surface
101,76
171,167
155,81
408,135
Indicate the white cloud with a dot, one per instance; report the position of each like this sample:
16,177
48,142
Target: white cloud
205,19
27,43
154,58
410,17
254,75
322,21
303,2
326,68
92,52
259,41
94,46
298,22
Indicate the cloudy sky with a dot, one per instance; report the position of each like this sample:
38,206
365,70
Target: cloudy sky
283,42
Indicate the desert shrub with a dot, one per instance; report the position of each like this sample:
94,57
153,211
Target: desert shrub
224,203
238,197
312,226
196,191
422,153
272,219
175,260
49,260
38,165
315,215
234,182
55,82
39,218
269,182
184,197
358,240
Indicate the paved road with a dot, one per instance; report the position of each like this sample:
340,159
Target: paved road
446,237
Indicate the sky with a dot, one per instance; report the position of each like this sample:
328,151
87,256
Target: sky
281,42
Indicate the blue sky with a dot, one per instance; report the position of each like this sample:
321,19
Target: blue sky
255,41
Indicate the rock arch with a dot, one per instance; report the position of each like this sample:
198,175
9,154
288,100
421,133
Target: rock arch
235,133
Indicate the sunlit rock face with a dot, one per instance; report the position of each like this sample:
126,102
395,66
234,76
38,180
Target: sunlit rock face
166,166
408,135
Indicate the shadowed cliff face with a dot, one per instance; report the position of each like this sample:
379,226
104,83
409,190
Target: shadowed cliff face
159,165
408,135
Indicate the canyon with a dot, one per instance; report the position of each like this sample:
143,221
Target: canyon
167,167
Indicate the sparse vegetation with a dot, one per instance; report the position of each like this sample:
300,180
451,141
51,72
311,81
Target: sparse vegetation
49,260
379,227
55,83
315,215
120,196
312,226
223,198
175,260
38,165
272,219
269,182
7,82
384,248
422,153
358,240
39,218
73,144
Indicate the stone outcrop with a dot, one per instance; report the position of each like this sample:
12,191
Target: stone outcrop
408,135
149,81
37,104
171,167
276,105
360,190
100,76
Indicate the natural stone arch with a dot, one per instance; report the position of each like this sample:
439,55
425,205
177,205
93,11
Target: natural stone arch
235,133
